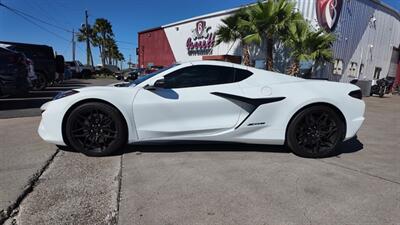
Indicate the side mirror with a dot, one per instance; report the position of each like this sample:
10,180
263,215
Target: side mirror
159,83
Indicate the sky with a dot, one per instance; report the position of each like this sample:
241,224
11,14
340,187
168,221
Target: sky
126,16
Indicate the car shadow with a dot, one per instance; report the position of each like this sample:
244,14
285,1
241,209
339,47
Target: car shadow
187,146
350,146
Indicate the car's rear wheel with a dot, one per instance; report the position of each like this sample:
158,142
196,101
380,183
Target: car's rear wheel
315,132
96,129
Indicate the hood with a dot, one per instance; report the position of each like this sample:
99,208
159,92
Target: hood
101,88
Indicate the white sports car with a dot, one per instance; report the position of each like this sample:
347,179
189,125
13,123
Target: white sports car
206,101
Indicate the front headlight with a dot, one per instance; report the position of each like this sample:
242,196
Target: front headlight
65,94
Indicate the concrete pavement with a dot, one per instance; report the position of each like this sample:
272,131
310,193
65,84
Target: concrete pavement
218,184
23,156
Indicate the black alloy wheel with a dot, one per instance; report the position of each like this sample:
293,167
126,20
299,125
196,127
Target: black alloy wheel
315,132
96,129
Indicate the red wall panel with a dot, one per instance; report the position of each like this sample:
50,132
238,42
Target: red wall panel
154,48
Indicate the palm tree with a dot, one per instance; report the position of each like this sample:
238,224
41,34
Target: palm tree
111,49
103,30
268,21
308,45
230,31
82,36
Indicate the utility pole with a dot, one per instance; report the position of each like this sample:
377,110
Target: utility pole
73,45
88,52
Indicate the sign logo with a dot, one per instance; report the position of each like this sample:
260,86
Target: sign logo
202,40
328,12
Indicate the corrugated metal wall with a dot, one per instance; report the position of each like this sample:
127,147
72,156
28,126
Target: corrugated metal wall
362,41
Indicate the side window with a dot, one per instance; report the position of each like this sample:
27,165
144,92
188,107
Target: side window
201,75
353,69
338,67
377,73
361,72
242,74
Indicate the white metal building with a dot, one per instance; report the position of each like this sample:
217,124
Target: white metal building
367,45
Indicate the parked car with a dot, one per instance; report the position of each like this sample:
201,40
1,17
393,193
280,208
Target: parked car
79,70
13,73
206,101
47,64
111,68
128,75
67,72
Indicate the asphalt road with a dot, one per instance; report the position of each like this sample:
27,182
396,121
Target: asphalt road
205,184
28,106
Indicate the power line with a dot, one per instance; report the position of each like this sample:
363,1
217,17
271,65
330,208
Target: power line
16,11
33,22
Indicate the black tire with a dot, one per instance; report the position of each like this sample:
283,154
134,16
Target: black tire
96,129
40,83
315,132
381,92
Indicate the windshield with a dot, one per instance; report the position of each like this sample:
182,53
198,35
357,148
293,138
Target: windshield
150,75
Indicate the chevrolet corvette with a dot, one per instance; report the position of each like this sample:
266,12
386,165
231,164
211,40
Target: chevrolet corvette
206,101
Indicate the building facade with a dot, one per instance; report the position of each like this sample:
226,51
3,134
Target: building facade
366,47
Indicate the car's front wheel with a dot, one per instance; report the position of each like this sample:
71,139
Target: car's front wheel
96,129
315,132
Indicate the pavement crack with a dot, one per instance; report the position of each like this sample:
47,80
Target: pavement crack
9,211
115,213
360,171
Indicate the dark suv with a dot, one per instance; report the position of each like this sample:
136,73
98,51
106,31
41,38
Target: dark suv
13,73
46,63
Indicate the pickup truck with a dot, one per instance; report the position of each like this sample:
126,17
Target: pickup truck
79,70
47,65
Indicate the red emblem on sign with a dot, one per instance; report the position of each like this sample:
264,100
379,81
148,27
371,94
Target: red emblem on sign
328,12
202,40
200,27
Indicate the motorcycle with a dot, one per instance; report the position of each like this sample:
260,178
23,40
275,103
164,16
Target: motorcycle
382,87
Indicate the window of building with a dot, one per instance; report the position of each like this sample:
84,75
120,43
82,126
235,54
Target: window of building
377,73
353,69
201,75
338,67
361,71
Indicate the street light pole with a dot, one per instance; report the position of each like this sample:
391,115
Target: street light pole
88,52
73,45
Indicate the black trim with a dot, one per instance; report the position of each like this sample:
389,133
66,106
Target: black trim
256,102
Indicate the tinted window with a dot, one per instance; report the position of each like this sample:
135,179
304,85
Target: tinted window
33,52
201,75
242,74
148,76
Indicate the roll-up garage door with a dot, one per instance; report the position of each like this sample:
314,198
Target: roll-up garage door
394,61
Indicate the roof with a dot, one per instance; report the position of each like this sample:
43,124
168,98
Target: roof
390,9
26,44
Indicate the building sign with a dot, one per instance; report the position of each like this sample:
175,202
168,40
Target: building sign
328,12
202,40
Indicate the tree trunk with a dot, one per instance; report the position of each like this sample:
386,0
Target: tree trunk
246,54
294,69
269,54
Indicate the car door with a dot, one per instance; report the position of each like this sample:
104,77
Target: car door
186,107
